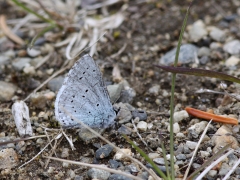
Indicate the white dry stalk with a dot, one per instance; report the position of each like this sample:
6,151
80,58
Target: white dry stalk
101,4
20,113
140,136
69,141
213,164
107,141
196,149
37,154
53,151
231,170
96,35
69,47
110,22
96,166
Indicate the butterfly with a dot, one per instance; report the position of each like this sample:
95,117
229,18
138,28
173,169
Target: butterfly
84,97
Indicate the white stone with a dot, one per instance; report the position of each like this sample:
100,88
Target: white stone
212,173
204,154
176,128
180,135
191,145
153,155
121,155
180,115
168,156
232,61
142,126
198,127
154,90
197,31
232,47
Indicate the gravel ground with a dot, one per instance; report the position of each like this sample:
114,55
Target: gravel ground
140,35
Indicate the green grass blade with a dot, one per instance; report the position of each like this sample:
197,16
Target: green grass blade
172,95
32,12
147,158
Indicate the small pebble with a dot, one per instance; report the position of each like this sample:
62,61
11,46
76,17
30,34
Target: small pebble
125,130
142,126
191,145
180,115
141,114
176,128
114,164
94,173
121,155
212,173
153,155
118,177
154,90
19,63
7,91
181,157
232,61
65,153
225,168
187,54
159,161
9,158
168,156
197,31
104,151
217,34
204,154
55,83
232,47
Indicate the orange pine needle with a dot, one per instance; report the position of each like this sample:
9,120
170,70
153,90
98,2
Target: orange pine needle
209,116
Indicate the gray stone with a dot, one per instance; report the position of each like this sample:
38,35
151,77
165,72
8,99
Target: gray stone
19,63
7,91
141,114
115,91
181,157
55,83
217,34
204,60
232,47
114,164
124,130
124,114
225,168
232,159
94,173
127,95
159,161
131,168
118,177
187,54
203,51
196,129
104,151
196,166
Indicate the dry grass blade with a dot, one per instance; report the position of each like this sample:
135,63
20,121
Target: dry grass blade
196,149
213,164
6,30
231,170
95,166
